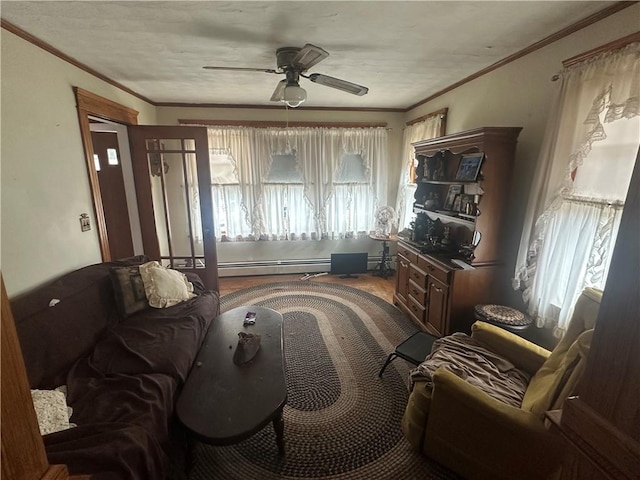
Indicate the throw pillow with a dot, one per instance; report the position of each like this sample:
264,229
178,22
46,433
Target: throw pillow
129,290
165,287
51,410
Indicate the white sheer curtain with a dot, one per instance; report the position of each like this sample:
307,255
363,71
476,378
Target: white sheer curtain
428,128
580,183
243,145
359,185
273,205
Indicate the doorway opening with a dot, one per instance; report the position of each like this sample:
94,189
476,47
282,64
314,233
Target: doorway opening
112,162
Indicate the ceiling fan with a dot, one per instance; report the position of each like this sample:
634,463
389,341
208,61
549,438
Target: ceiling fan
293,62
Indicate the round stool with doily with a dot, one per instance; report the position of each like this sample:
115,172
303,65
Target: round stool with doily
505,317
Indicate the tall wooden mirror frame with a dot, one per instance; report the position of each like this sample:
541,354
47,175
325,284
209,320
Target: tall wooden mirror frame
90,104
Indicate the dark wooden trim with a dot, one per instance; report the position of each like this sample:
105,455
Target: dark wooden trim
91,104
585,22
610,450
268,123
10,27
607,47
105,108
138,136
613,367
278,107
144,194
442,111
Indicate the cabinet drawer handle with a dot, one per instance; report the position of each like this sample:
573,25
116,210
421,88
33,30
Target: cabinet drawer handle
437,289
403,265
431,268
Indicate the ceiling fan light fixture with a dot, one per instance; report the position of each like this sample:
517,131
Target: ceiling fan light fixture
294,96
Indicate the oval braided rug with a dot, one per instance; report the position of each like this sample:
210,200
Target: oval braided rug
341,420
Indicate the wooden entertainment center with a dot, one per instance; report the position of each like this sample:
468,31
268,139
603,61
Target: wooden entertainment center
455,254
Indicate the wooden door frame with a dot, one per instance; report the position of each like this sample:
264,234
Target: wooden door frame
88,104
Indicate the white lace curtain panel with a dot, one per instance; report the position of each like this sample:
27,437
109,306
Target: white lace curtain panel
580,184
306,195
424,130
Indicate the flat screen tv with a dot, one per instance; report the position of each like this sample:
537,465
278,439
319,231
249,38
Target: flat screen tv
346,264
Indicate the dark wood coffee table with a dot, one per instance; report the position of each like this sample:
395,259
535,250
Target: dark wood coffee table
223,403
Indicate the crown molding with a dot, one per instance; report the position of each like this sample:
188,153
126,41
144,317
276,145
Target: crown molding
596,17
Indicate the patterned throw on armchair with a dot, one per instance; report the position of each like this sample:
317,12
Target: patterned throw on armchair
478,402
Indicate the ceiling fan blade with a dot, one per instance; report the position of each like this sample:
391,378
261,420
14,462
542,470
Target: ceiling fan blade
242,69
278,93
343,85
308,56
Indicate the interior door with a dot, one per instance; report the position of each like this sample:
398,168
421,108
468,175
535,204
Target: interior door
173,188
114,200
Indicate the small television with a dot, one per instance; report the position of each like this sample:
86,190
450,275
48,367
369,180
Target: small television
346,264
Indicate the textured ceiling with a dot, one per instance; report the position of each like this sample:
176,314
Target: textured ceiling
403,51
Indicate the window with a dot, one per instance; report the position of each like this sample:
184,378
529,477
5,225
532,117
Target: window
432,126
580,185
296,183
352,205
228,211
581,233
287,212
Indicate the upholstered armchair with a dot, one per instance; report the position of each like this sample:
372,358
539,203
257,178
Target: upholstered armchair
480,437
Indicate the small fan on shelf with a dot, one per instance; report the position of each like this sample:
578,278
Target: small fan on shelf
293,62
385,221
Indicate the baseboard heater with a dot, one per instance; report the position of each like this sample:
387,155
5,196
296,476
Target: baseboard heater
279,267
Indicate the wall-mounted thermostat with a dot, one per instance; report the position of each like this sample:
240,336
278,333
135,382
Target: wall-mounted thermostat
85,224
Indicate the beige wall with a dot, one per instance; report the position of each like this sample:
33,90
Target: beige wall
520,94
44,178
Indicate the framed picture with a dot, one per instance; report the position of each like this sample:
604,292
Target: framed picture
457,203
464,201
454,191
469,167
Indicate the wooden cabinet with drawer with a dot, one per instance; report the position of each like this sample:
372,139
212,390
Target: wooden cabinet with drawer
446,291
406,256
402,278
438,302
438,295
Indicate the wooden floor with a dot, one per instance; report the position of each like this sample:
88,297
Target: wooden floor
380,287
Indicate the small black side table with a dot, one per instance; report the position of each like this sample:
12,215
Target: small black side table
414,349
383,269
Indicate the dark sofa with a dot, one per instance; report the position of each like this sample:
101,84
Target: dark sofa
122,374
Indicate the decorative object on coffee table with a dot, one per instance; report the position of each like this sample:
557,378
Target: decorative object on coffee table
247,348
